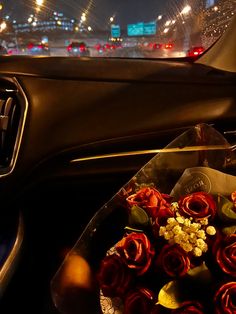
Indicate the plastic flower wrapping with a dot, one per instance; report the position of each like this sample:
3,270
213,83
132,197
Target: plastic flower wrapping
166,242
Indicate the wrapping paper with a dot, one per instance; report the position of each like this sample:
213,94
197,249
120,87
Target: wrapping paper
198,160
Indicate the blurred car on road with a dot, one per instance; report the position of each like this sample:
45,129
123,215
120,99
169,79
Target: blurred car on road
168,46
152,46
3,50
38,49
99,47
12,48
195,51
78,49
109,46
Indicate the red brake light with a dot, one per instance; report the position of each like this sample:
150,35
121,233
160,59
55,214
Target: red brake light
97,46
30,45
195,51
168,46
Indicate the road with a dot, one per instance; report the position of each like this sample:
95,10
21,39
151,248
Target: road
59,48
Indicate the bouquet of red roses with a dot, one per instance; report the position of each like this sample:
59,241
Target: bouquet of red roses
174,257
165,243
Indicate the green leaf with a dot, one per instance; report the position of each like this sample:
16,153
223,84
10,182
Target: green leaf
133,229
229,230
201,274
138,217
169,295
226,209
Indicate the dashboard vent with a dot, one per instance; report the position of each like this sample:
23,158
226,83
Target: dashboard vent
12,109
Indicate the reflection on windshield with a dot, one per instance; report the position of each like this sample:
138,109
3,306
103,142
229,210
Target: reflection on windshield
111,28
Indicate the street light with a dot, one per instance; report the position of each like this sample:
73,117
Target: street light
186,10
3,26
83,18
111,19
39,2
187,29
166,30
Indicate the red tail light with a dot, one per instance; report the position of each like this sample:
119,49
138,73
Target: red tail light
82,48
195,51
30,46
168,46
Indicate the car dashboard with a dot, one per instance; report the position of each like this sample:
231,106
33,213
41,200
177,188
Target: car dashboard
73,131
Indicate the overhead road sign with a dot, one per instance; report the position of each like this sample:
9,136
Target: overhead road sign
135,29
115,31
149,28
142,29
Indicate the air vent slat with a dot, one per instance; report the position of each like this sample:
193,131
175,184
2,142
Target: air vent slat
9,131
8,106
13,109
2,102
3,122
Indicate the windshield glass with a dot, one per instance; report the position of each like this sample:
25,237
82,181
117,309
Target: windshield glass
112,28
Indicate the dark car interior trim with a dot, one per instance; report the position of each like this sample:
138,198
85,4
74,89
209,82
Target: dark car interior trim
6,271
14,106
108,116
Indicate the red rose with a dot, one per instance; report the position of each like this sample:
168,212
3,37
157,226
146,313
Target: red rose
173,260
139,301
153,202
225,299
233,196
225,251
137,252
114,276
189,307
198,205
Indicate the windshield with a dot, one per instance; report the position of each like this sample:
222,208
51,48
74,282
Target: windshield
112,28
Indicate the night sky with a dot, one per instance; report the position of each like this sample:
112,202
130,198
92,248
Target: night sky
99,11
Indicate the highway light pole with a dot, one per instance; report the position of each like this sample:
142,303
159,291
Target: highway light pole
185,14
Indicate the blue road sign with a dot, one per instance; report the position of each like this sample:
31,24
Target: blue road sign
142,29
135,29
115,31
149,28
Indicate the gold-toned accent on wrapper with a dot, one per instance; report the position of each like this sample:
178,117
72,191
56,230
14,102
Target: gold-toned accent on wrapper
154,151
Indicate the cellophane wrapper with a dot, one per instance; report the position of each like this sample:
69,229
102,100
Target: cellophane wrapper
178,170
